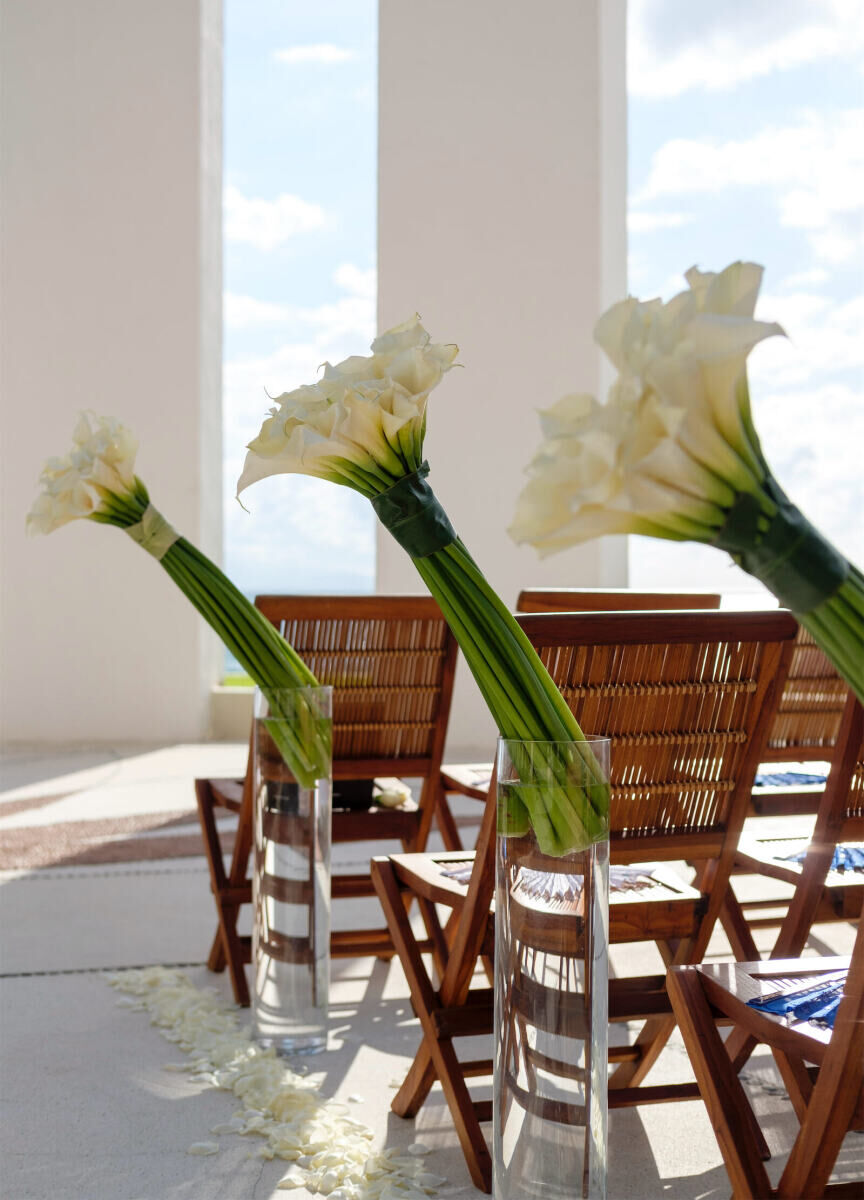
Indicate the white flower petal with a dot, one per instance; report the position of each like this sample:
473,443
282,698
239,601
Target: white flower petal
365,412
103,455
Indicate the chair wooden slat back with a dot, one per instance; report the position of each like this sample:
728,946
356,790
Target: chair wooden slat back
459,778
808,715
687,698
540,600
840,819
390,661
682,698
821,894
853,813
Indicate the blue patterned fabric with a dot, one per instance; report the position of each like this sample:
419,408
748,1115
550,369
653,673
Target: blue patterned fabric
844,858
817,1004
786,779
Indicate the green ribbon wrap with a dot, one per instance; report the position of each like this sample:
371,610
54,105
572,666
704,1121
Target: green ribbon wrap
153,533
790,557
410,511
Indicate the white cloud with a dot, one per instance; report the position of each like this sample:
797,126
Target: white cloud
814,168
813,278
810,437
675,46
244,312
345,316
323,52
823,336
360,283
646,222
266,224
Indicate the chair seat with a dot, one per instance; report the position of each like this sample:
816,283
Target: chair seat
664,901
772,856
729,986
469,779
426,875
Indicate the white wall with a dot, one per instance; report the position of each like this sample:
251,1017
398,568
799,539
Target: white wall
111,300
502,194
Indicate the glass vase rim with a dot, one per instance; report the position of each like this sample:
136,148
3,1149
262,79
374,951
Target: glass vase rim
589,739
300,687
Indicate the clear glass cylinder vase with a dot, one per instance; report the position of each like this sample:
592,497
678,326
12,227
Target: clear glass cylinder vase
551,974
292,756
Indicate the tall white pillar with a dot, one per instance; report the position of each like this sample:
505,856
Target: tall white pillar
502,202
111,300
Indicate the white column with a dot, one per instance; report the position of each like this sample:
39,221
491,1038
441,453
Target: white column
502,198
111,261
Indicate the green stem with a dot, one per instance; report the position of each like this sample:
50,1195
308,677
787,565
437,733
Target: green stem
274,665
523,700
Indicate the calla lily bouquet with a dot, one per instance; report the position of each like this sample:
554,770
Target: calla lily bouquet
674,453
96,481
362,424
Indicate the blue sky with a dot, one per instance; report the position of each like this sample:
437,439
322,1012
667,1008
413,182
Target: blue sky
746,126
300,203
746,140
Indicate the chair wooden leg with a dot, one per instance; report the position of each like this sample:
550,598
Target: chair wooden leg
446,823
437,938
739,1046
737,930
653,1036
216,960
721,1090
436,1057
797,1082
218,878
230,889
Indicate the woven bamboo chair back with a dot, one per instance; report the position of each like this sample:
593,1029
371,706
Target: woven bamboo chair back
849,767
390,661
547,600
685,699
808,715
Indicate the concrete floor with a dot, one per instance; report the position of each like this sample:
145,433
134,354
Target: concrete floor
90,1113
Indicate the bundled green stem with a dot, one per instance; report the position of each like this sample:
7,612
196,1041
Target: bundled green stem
519,692
771,539
260,649
523,700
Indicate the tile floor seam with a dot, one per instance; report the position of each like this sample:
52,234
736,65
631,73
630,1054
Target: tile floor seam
84,873
175,966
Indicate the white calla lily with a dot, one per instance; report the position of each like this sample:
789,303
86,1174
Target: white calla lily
102,459
362,423
97,481
674,453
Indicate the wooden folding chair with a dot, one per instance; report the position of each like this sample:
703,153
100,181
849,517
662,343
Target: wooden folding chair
686,699
472,779
805,728
823,1070
391,662
821,893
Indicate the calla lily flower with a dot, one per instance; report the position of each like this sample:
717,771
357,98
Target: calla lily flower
102,459
674,453
362,425
96,481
